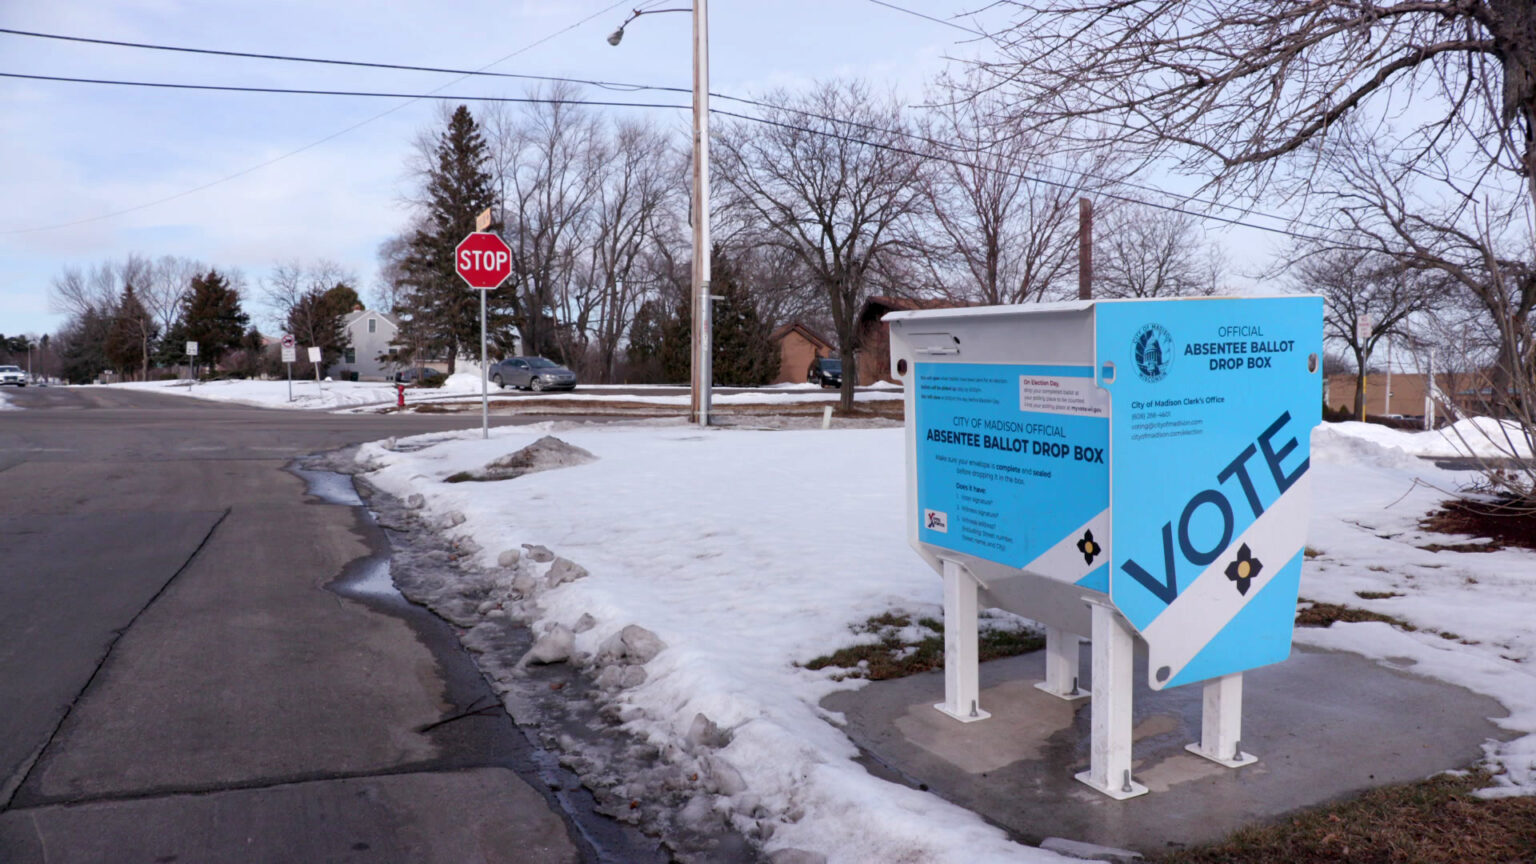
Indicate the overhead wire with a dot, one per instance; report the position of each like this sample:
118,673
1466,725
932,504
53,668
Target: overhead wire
611,85
739,116
311,145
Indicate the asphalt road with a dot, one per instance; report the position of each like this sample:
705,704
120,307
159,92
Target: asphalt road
179,685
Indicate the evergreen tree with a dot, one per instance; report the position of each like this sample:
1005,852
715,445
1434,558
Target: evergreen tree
439,311
646,335
80,344
743,355
210,316
131,336
317,319
676,352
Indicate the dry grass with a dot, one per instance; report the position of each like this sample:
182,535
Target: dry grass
1435,821
892,657
1324,614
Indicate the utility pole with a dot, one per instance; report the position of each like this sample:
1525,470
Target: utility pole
1084,249
698,400
702,324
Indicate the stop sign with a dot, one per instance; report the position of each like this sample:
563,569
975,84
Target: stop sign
483,260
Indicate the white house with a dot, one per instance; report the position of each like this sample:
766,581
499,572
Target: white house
370,347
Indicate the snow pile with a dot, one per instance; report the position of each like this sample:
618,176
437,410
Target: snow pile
307,394
463,386
746,553
1477,436
5,402
1475,612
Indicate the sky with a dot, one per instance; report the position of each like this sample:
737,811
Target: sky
90,173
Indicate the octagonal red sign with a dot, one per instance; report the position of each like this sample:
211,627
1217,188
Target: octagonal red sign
483,260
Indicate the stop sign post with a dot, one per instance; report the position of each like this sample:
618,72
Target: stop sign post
484,261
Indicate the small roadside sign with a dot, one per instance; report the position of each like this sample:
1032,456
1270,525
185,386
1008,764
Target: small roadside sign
314,354
191,349
290,351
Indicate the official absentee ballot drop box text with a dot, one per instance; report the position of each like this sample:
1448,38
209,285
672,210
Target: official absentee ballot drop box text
1116,470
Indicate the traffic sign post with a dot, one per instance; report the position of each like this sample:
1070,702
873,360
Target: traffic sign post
314,360
484,261
289,352
1119,470
192,353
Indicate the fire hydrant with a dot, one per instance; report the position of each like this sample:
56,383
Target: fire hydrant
400,395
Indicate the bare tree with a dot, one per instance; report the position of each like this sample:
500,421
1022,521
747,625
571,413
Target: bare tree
638,188
831,178
547,163
75,293
1146,252
1310,94
1366,299
1005,200
170,278
1231,87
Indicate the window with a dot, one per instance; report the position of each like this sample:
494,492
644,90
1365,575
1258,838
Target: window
351,353
373,327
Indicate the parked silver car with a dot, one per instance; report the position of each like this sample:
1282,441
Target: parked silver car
532,373
13,375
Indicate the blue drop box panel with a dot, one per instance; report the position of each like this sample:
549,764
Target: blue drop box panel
1151,454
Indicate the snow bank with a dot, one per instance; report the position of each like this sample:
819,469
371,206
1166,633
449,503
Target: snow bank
1477,436
749,552
746,553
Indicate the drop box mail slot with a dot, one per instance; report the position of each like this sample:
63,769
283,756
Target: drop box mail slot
1148,454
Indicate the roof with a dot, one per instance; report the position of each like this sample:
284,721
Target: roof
360,313
875,307
805,332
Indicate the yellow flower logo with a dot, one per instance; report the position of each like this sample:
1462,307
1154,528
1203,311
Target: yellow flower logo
1089,547
1245,569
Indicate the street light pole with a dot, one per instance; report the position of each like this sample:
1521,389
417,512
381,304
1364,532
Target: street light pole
703,328
702,324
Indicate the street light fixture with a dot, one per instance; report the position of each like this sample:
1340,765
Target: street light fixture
698,407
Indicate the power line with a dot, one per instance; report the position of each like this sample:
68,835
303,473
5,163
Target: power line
611,85
216,52
313,144
747,117
292,91
946,22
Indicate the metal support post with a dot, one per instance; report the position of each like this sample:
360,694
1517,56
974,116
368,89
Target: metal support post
485,399
1062,653
1221,723
1109,768
961,657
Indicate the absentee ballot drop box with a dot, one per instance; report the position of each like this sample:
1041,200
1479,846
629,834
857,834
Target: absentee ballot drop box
1117,470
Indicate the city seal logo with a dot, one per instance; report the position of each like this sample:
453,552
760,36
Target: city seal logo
1153,350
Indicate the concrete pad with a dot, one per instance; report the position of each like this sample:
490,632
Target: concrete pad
1323,725
435,818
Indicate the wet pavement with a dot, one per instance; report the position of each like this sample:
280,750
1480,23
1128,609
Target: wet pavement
1323,725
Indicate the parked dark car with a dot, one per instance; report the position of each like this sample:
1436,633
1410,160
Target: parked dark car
420,376
532,373
826,371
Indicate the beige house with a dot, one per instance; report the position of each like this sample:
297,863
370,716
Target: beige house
798,346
